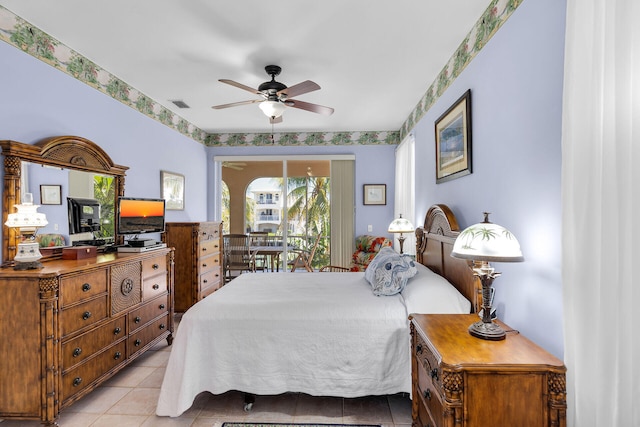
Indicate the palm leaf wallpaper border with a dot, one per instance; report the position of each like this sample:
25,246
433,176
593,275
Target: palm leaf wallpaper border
30,39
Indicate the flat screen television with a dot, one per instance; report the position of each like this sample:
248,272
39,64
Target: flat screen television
84,215
140,216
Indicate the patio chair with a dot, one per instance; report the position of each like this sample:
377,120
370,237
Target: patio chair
237,255
305,256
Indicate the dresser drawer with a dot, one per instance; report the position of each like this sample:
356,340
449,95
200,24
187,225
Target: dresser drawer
81,377
430,397
208,231
153,266
205,293
143,315
210,280
85,314
78,349
209,247
82,287
154,286
138,340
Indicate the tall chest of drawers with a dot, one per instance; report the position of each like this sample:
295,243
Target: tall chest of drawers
462,381
70,326
198,248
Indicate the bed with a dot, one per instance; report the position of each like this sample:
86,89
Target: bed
324,334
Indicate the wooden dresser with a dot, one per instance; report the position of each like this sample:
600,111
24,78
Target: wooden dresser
70,326
198,248
462,381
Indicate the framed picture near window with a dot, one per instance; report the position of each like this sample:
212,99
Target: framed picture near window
172,185
375,194
50,195
453,140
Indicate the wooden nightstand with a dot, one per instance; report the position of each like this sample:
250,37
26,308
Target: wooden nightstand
462,381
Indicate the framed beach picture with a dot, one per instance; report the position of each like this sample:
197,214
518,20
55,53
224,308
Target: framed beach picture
453,140
375,194
172,185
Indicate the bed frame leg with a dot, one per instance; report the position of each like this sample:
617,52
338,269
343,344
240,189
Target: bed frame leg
249,400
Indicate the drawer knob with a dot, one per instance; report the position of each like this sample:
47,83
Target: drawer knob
137,343
161,306
86,315
434,373
162,326
77,381
419,348
204,265
204,249
86,287
117,356
156,287
427,394
137,319
77,352
117,330
155,266
205,281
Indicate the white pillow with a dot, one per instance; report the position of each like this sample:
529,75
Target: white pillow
428,292
389,271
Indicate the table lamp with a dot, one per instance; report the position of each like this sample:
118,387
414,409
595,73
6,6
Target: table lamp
482,243
27,220
400,225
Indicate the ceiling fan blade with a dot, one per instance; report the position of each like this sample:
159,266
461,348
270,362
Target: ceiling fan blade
295,90
235,104
241,86
314,108
274,120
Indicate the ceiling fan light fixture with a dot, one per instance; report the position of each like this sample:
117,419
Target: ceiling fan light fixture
272,108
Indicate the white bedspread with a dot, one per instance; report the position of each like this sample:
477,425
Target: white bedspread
269,333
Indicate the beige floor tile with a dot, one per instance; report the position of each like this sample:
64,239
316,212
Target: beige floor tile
133,376
372,409
318,409
400,405
77,419
112,420
154,380
229,405
155,421
153,359
140,401
274,409
98,401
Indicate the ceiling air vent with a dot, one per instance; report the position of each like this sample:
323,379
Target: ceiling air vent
180,104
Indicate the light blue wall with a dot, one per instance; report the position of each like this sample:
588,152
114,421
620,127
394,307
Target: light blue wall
37,101
516,91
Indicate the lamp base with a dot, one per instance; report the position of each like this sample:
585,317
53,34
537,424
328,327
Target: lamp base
30,265
487,331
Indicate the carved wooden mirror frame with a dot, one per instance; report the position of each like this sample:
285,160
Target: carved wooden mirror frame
67,152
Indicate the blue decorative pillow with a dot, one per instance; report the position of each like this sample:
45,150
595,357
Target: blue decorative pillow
389,271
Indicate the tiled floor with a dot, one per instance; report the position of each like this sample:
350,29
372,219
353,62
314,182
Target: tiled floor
129,399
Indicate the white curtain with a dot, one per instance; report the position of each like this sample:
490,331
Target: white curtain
404,202
601,210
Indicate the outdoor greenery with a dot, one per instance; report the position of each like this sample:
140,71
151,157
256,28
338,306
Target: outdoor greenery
104,193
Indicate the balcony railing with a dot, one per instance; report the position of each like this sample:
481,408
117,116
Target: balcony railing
269,218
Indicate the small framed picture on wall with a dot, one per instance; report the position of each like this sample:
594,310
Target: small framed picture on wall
172,185
50,194
375,194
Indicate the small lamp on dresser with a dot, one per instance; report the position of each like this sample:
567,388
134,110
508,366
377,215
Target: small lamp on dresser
27,220
400,225
483,243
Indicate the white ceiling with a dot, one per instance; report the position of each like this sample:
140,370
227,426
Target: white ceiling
373,59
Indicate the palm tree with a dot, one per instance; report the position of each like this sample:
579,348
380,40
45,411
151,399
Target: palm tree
309,204
104,193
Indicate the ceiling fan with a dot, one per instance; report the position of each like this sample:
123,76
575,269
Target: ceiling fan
275,96
234,165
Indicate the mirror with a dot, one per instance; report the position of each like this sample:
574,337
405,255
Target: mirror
65,153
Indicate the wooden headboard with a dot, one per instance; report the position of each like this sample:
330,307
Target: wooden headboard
434,242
